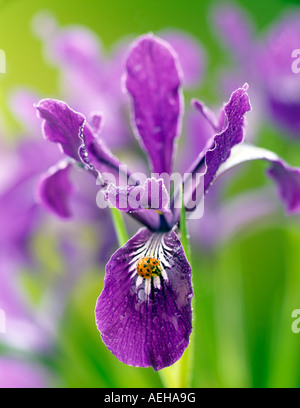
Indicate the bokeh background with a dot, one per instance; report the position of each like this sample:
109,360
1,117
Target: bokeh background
246,285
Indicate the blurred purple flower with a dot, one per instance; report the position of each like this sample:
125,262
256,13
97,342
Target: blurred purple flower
34,326
265,62
20,212
280,84
17,373
144,312
91,79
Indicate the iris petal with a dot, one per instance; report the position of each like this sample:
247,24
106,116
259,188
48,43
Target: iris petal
153,81
151,195
63,125
286,177
209,161
147,322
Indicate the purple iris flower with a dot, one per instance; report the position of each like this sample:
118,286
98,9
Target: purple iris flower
266,61
144,312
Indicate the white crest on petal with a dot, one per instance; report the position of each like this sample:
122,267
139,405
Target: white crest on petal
156,248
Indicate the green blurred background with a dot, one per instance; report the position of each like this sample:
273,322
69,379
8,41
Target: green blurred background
245,290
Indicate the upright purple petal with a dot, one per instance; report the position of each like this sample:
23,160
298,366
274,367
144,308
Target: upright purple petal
153,81
147,321
235,110
218,149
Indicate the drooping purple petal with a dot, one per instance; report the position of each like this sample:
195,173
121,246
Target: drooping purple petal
97,154
55,189
288,182
61,124
286,177
151,195
65,126
147,322
153,81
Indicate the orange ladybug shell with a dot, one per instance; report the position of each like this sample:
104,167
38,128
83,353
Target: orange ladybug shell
148,267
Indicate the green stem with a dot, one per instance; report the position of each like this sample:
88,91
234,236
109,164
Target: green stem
186,362
180,374
183,229
120,227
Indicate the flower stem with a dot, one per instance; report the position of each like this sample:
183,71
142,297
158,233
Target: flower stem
183,229
180,374
187,360
120,227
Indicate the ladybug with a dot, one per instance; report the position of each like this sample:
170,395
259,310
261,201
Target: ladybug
148,267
